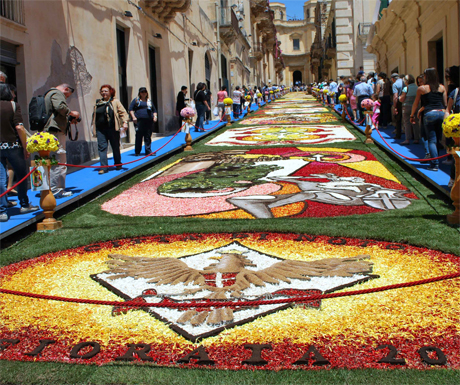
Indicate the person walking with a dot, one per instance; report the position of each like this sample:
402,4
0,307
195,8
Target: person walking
221,95
237,95
362,91
208,94
407,99
109,117
144,114
58,124
201,106
434,100
13,150
180,103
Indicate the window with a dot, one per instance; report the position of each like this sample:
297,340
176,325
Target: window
281,15
296,44
308,14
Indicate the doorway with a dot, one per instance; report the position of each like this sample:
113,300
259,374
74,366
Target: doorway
153,81
436,56
224,72
207,70
297,78
122,82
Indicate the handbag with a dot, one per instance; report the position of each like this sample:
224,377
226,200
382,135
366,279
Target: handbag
215,111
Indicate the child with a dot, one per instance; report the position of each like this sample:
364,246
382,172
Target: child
376,110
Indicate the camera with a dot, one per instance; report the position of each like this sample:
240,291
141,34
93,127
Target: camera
72,118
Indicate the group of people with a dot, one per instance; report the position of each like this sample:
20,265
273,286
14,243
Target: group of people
203,100
416,106
109,122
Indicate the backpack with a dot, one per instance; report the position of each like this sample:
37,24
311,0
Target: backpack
38,115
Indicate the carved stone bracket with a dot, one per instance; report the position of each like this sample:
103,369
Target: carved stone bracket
166,10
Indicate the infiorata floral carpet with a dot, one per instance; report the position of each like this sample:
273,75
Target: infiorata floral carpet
242,275
245,299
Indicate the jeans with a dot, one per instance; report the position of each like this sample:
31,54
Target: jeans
105,136
144,131
200,113
16,158
236,110
432,121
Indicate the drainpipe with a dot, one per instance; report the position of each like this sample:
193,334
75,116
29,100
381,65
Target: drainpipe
219,70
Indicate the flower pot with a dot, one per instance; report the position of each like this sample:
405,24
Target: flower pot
44,153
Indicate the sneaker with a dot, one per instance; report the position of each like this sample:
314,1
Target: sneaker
101,171
12,203
451,183
427,156
3,217
118,167
433,168
63,194
28,209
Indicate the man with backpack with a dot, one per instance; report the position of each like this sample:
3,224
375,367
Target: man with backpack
60,116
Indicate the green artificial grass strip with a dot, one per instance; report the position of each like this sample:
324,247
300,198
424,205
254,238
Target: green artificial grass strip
53,373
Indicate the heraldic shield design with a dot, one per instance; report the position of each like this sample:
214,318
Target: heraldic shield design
266,183
232,273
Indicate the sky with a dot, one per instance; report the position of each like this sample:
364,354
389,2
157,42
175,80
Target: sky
294,8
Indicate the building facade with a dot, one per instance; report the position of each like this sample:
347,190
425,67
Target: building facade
414,35
158,44
341,40
295,39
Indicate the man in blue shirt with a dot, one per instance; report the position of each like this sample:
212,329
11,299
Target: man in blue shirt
397,88
362,91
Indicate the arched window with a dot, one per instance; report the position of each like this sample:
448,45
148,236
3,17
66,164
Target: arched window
281,15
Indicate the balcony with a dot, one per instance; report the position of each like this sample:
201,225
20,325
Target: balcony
166,10
327,63
13,10
257,51
317,50
229,27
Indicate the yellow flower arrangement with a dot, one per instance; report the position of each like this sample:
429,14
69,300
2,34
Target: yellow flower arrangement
248,97
259,95
228,101
325,91
342,98
451,126
331,93
42,141
271,92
